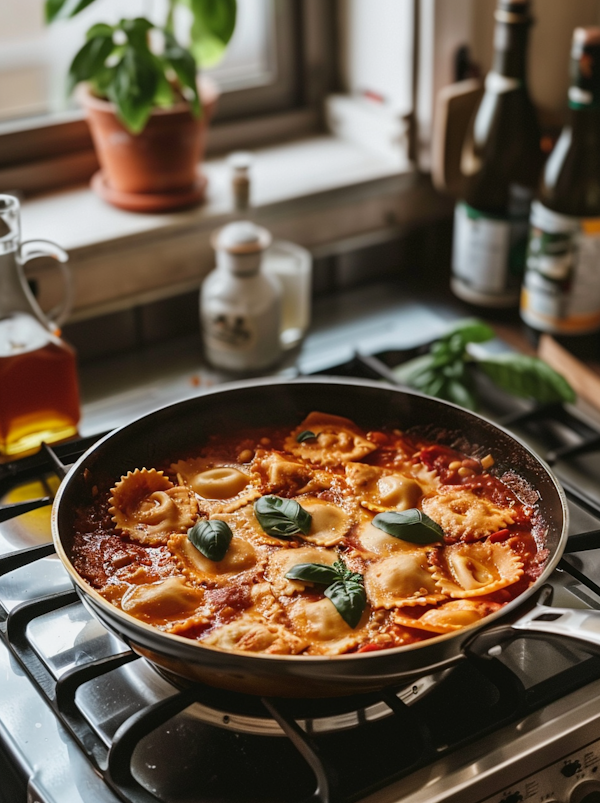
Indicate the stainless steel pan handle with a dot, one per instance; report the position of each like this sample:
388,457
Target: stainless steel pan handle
583,625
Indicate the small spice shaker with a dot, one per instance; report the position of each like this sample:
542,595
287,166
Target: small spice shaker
240,305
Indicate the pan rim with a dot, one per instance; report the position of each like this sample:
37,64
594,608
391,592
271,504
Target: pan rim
462,635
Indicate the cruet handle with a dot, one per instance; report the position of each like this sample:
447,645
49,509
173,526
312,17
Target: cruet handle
32,249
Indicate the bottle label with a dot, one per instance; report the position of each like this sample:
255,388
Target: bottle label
229,332
488,255
561,291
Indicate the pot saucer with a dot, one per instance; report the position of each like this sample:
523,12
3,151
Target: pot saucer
149,201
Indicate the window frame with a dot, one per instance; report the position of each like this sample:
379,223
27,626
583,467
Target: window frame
37,155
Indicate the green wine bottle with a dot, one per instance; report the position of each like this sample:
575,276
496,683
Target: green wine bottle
561,291
502,162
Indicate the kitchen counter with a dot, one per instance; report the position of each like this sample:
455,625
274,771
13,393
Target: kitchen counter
371,319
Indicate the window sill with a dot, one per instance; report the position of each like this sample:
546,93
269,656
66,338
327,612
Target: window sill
316,191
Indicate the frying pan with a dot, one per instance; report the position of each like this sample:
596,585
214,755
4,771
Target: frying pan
171,431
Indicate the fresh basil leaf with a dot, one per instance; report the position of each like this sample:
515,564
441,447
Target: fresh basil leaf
61,9
133,88
459,393
211,537
313,573
89,60
471,330
184,65
306,435
409,525
409,372
349,598
281,517
527,376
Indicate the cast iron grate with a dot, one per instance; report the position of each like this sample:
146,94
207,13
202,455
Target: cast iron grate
325,766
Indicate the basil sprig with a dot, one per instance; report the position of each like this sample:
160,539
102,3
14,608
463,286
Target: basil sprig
345,588
409,525
447,370
281,517
305,435
211,537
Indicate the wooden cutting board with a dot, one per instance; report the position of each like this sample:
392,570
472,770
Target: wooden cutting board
584,380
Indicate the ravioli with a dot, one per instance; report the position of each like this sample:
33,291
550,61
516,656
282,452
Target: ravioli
448,617
250,634
220,488
472,570
147,506
403,578
338,440
168,599
461,513
281,561
241,556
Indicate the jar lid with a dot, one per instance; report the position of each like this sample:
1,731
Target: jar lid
241,237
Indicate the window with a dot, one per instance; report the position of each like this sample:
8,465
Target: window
44,142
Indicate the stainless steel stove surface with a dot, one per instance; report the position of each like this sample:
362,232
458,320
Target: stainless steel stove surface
84,719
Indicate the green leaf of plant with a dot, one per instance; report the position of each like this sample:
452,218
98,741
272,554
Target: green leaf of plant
211,537
281,517
212,28
313,573
306,435
527,376
99,29
184,65
89,60
410,525
164,97
133,88
62,9
349,598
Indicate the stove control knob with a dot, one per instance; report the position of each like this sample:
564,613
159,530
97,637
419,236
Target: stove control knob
586,792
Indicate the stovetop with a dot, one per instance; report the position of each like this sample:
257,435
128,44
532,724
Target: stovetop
83,719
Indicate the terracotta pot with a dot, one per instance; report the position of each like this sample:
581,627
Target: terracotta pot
163,158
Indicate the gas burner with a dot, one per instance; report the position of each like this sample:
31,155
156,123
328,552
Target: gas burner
243,713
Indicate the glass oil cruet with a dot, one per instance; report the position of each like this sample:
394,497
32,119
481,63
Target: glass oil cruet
39,395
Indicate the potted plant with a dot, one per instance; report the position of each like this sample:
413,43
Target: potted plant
147,110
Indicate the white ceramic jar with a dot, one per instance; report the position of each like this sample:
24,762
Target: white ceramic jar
241,306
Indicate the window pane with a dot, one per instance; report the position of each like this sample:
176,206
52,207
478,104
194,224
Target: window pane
34,58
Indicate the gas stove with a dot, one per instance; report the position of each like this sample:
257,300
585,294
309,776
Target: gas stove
83,719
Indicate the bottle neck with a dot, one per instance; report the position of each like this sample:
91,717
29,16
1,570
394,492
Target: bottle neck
510,49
